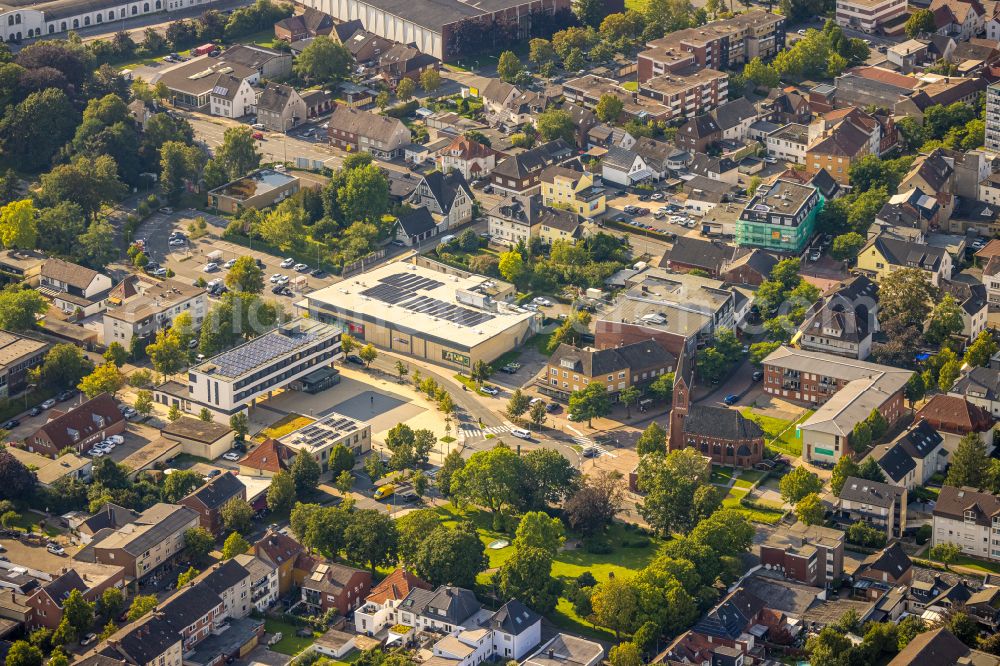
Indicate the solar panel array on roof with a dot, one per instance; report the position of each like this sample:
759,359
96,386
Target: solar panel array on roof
237,362
400,289
220,90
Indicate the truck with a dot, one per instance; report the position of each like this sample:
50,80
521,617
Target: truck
215,255
204,49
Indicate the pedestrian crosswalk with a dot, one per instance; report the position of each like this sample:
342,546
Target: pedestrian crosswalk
589,444
474,432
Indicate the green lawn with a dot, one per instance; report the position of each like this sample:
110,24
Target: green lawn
289,644
722,475
28,522
632,86
766,516
541,343
973,563
751,476
284,425
779,433
732,500
568,563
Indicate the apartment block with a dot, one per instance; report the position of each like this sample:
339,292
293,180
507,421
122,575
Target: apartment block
868,15
810,554
687,92
719,45
993,117
969,519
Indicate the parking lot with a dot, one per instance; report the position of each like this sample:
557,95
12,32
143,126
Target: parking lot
188,260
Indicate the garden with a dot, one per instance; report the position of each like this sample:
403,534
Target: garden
780,434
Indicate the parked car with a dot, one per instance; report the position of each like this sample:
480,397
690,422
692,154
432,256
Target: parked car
355,359
88,639
65,395
489,390
229,264
591,452
521,432
288,263
55,549
166,210
11,424
258,136
214,473
384,491
318,273
551,407
210,267
757,375
539,300
231,455
301,268
118,439
257,126
176,241
159,272
815,255
511,368
731,399
49,404
35,411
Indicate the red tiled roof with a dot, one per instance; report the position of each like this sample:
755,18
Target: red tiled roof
278,548
396,586
886,76
97,414
270,456
955,414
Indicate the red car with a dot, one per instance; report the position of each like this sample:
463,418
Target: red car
258,136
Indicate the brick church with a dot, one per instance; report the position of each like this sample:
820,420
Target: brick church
724,435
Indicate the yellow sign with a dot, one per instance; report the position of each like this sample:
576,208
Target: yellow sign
455,357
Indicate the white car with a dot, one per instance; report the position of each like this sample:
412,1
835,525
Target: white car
541,301
656,196
118,439
211,267
288,263
232,455
96,453
520,432
108,445
274,278
301,267
770,160
229,264
176,241
283,279
676,219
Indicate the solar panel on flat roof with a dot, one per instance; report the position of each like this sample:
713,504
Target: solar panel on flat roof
401,289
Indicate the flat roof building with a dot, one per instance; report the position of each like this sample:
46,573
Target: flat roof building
139,306
18,354
234,380
780,217
320,437
427,310
260,189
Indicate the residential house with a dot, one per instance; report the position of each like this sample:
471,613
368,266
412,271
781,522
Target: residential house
659,156
259,189
515,630
567,650
969,17
783,106
703,194
981,387
508,105
521,173
843,321
908,215
934,174
310,23
868,15
280,108
565,187
955,417
971,298
518,218
789,143
49,472
944,92
624,167
447,195
270,64
79,428
914,457
470,158
263,581
379,609
381,136
404,61
583,120
213,85
445,609
267,459
73,288
883,254
886,568
332,586
415,227
841,146
231,581
232,96
689,253
46,603
280,551
209,499
321,102
810,554
367,48
139,306
940,646
572,368
141,545
967,518
720,169
748,268
719,433
698,134
881,505
735,117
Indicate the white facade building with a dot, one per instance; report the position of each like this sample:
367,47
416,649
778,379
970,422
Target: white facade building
868,15
970,520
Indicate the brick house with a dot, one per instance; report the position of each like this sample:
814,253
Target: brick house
208,500
810,554
572,368
79,428
46,603
310,23
280,551
329,585
383,137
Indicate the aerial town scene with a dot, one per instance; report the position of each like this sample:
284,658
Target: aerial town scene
499,332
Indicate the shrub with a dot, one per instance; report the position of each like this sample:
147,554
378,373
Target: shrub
586,579
924,534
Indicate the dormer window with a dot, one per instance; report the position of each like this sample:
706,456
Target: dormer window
970,516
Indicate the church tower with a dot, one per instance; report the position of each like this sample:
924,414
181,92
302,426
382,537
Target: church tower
683,379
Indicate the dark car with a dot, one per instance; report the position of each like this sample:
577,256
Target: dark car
260,264
10,425
731,399
214,473
277,289
408,497
758,375
551,407
355,359
318,273
35,411
66,395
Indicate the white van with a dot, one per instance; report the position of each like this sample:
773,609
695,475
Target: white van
446,239
520,432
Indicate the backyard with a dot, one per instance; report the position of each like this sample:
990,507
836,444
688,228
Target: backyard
290,643
570,562
780,434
